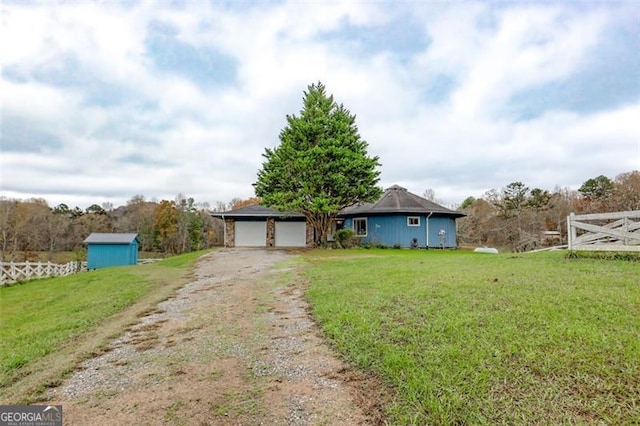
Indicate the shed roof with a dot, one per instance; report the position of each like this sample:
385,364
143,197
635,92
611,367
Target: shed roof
256,210
397,199
99,238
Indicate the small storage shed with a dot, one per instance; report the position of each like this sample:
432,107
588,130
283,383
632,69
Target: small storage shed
104,250
259,226
400,218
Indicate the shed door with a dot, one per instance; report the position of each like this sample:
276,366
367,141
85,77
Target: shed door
251,234
291,234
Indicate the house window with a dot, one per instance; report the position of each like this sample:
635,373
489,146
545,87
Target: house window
360,226
413,221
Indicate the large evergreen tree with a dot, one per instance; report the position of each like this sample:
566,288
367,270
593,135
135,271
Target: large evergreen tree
320,166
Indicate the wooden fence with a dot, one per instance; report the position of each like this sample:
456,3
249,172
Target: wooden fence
619,231
11,272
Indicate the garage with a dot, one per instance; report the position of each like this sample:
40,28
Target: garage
259,226
251,234
291,234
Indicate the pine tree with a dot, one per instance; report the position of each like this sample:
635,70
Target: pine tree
320,166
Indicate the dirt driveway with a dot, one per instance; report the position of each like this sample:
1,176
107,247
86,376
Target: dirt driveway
235,346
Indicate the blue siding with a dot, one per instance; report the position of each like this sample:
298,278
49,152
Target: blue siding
442,223
392,230
105,255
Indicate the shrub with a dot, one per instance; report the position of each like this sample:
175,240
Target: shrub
346,238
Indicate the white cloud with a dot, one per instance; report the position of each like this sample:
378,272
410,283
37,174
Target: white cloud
531,46
128,127
457,36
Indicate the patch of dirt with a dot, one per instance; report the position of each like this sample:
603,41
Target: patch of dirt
235,346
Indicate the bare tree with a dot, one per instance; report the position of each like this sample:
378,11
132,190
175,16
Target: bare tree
430,195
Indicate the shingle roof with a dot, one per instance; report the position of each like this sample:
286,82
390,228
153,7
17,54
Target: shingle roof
256,210
98,238
397,199
394,200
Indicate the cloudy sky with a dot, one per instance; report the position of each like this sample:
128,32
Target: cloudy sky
105,100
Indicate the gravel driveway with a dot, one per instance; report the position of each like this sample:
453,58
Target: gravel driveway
235,346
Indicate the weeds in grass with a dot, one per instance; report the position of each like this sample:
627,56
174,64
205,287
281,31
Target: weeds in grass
604,255
173,410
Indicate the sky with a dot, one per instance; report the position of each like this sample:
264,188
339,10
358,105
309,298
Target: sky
102,101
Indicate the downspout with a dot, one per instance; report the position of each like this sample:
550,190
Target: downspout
427,245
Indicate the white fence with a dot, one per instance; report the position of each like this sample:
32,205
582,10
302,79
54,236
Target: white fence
11,272
147,261
619,231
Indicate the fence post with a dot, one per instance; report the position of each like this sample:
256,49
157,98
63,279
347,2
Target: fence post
571,231
626,241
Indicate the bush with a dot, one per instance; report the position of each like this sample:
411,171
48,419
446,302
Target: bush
346,238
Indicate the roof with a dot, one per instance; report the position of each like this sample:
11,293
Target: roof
98,238
397,200
255,210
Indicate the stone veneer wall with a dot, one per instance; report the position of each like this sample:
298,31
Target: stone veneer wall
309,235
229,233
271,232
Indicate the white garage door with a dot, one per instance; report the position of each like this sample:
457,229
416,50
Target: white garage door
291,234
251,234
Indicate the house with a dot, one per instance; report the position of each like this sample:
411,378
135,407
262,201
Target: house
259,226
104,250
400,218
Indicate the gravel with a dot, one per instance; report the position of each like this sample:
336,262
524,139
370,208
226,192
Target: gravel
238,335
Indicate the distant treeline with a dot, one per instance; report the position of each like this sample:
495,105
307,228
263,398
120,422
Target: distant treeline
515,217
171,227
520,218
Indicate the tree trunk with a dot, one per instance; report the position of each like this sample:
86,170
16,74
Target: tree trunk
321,224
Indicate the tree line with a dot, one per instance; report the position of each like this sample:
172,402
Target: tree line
522,218
171,227
516,217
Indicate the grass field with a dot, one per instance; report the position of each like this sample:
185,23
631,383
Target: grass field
41,319
466,338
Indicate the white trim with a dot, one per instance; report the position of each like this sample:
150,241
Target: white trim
366,226
413,217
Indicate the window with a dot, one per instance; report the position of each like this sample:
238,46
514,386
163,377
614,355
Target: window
360,226
413,221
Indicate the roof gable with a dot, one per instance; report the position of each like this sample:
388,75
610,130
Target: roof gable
397,199
100,238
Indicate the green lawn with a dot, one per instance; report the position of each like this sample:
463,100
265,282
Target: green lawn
40,317
467,338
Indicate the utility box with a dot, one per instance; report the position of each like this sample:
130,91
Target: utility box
105,250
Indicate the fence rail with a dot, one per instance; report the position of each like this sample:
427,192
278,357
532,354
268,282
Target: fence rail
11,272
619,231
147,261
